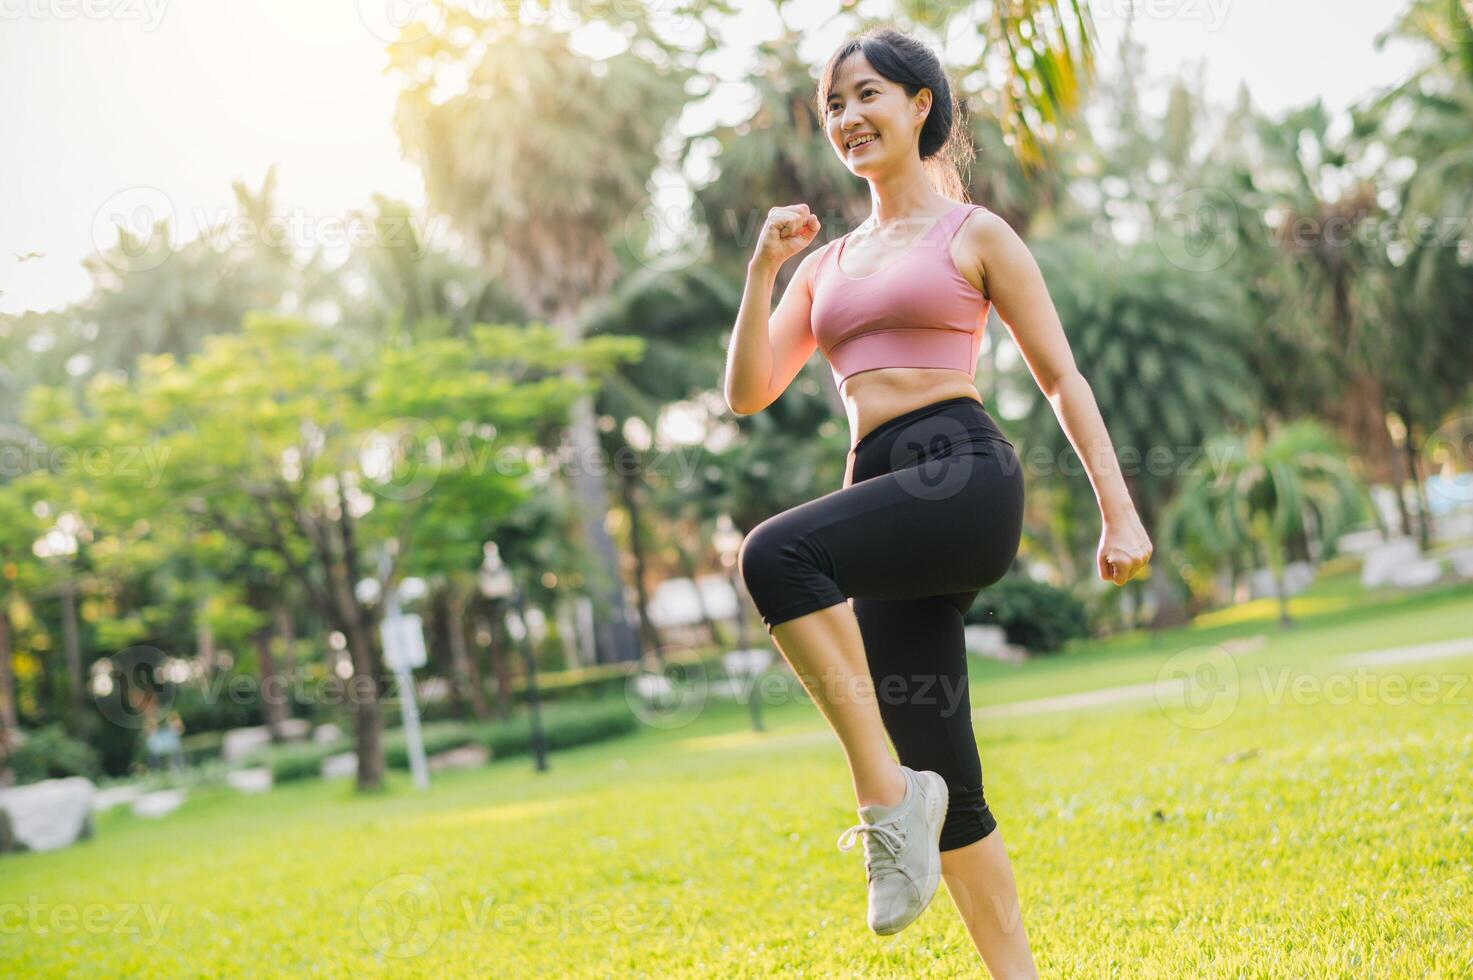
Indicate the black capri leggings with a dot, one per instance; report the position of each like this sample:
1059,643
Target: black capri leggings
931,514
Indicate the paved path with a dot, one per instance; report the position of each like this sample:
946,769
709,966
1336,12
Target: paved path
1390,656
1411,654
1124,693
1069,702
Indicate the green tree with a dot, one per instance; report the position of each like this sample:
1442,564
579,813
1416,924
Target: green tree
1163,354
19,530
274,440
1256,499
542,161
681,315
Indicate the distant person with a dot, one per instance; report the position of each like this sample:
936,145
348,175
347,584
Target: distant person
871,581
165,744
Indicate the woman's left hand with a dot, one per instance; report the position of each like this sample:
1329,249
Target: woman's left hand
1125,549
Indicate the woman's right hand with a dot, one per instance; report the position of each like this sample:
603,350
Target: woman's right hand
787,231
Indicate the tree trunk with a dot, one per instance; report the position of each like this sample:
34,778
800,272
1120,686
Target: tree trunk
1171,610
461,661
500,652
9,720
366,711
614,639
285,636
1424,528
738,587
754,694
1398,484
357,625
574,618
629,493
73,647
534,700
204,637
1283,596
832,395
688,568
273,690
440,650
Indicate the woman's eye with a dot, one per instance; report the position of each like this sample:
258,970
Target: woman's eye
868,91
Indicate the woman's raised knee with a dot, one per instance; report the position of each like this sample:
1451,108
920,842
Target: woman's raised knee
763,551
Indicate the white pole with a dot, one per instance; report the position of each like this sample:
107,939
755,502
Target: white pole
398,658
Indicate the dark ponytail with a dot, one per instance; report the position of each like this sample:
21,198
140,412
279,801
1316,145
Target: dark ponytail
945,144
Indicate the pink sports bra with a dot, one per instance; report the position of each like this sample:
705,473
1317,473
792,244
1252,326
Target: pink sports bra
918,311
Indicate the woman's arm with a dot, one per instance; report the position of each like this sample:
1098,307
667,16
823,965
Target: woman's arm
767,352
1016,287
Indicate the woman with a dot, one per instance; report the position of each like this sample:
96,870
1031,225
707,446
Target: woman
864,589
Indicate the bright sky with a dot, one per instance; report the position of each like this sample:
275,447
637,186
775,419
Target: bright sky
112,106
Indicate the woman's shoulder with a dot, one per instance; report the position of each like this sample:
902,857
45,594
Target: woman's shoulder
816,261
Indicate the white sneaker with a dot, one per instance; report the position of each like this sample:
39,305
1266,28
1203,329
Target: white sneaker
902,855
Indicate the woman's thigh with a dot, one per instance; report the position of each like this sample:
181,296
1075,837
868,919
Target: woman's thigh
943,527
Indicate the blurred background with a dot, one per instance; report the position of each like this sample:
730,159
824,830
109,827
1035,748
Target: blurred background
346,343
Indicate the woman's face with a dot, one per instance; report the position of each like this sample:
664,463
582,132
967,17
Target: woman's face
863,102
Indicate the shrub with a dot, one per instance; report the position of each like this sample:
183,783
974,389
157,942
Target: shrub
1035,615
50,753
573,723
296,760
437,737
203,747
598,682
210,708
563,725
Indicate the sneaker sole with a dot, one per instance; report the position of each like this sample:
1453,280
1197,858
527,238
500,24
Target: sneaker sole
937,802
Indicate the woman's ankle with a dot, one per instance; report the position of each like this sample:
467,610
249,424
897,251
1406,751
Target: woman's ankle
888,792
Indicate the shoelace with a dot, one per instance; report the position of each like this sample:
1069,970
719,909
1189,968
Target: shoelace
889,839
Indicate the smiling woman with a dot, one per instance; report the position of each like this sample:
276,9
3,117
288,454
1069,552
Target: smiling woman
873,79
865,588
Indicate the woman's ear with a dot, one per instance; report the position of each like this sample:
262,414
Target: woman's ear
923,103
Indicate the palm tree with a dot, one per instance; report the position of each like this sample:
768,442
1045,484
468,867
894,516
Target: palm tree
1163,353
1336,276
1035,63
543,160
681,315
198,289
405,286
1261,498
1427,121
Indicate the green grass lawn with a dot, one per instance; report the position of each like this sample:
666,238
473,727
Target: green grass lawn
1303,833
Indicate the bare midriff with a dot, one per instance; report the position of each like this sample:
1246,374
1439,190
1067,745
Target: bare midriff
872,398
